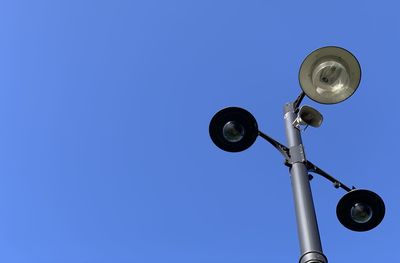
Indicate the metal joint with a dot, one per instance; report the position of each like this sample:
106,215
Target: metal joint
313,257
297,154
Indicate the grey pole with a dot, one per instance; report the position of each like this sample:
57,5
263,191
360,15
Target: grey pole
307,227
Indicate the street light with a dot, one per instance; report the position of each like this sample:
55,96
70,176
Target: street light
233,129
360,210
328,75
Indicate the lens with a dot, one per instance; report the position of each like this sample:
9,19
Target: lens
361,213
233,131
330,78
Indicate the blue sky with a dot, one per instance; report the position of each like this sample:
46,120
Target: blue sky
104,148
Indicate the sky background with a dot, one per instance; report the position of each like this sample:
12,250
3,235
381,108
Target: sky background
105,154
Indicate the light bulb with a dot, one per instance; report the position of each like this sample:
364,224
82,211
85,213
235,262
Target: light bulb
330,78
233,131
361,213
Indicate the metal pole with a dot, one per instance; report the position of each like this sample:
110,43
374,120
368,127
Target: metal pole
307,227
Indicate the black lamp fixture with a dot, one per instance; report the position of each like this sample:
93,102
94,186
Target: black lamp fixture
233,129
328,75
360,210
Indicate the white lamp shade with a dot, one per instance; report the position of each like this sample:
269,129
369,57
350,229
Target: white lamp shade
330,75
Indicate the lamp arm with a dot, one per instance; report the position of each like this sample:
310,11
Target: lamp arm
310,166
279,146
298,100
315,169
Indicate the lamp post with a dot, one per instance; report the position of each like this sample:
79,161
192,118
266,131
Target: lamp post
328,75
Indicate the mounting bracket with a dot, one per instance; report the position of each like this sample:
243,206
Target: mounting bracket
296,155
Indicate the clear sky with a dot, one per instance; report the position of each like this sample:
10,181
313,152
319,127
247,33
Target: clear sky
105,154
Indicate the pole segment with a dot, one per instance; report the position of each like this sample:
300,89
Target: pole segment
307,227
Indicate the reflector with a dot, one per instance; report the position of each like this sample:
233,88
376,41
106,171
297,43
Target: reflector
330,75
233,129
360,210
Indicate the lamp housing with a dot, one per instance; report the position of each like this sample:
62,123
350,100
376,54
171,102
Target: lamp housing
330,75
360,210
233,129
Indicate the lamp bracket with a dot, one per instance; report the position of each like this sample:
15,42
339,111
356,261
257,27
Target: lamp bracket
298,101
297,154
336,183
279,146
297,124
292,155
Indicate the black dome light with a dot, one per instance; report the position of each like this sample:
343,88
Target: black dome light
360,210
233,129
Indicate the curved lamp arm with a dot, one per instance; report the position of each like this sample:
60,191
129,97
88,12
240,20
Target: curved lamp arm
298,101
